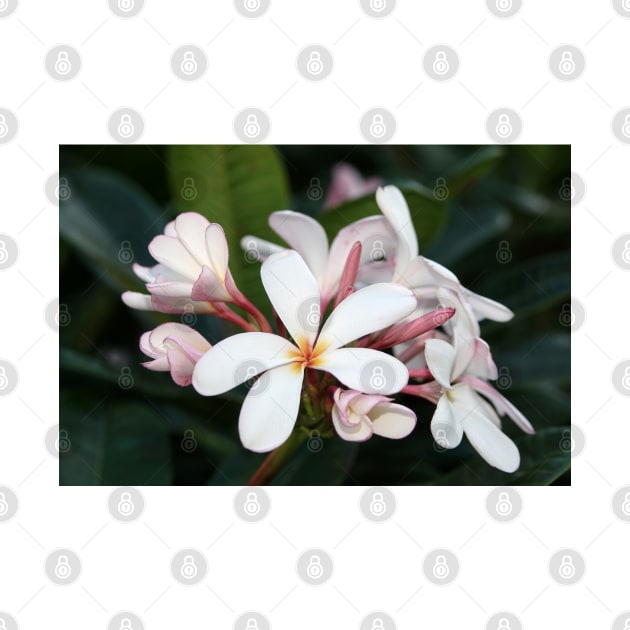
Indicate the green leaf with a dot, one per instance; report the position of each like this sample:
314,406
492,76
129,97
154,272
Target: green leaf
112,443
110,221
429,215
476,166
543,460
468,229
238,187
530,286
145,382
544,358
330,466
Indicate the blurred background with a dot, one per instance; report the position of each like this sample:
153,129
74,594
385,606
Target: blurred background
498,217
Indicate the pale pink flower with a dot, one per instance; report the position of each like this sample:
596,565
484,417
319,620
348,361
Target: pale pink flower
357,416
174,348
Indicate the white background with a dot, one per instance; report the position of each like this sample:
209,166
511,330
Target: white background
252,63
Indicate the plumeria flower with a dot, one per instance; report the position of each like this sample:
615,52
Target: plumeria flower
357,416
192,274
460,409
174,348
347,184
307,237
192,268
422,275
270,410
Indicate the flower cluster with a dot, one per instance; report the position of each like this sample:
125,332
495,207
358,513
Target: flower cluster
357,320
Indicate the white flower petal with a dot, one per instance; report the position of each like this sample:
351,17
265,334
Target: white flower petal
440,358
239,358
258,249
136,300
144,273
393,205
359,432
306,236
378,240
491,443
294,293
365,370
365,311
392,421
217,249
482,364
171,252
190,228
270,409
501,403
485,308
446,429
153,341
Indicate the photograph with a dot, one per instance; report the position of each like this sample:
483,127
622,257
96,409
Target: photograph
315,315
